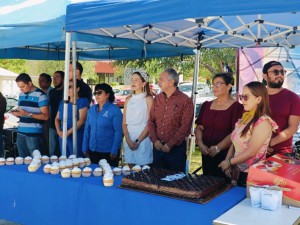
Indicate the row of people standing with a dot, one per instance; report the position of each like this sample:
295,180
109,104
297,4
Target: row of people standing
168,120
35,108
231,141
165,121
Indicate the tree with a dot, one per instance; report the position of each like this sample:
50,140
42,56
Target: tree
37,67
211,62
14,65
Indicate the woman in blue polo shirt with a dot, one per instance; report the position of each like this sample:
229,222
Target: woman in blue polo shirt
103,128
82,108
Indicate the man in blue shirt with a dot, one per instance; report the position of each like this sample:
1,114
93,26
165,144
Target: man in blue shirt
33,111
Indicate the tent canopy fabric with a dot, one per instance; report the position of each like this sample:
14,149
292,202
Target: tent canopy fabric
135,29
33,29
112,13
187,24
29,22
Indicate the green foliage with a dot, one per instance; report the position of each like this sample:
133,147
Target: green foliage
36,67
14,65
48,66
114,84
89,70
210,63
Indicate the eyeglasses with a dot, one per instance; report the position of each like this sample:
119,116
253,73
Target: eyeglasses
98,93
276,72
244,97
218,84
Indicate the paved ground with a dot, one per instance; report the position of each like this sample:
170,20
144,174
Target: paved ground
5,222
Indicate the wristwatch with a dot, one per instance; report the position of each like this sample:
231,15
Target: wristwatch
30,115
137,141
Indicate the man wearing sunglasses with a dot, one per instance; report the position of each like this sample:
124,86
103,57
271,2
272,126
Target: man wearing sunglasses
285,109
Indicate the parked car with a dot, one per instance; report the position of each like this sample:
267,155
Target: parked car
203,89
121,97
154,89
233,92
199,102
11,101
116,90
11,121
187,87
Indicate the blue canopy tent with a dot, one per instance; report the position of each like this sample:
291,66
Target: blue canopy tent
190,24
29,30
126,29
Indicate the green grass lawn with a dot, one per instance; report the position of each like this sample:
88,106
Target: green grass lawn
195,161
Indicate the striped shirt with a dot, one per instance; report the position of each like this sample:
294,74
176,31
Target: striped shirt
32,102
171,118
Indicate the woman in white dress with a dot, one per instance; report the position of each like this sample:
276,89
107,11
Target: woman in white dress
138,148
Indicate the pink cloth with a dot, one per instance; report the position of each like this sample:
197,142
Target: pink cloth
241,143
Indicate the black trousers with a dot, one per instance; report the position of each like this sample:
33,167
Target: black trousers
242,181
96,156
210,164
174,160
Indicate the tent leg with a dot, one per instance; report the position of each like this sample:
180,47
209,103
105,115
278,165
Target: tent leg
66,84
194,98
74,107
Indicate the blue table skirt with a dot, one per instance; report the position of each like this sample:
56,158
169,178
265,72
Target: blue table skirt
38,198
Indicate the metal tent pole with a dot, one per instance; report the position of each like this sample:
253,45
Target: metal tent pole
74,107
66,85
194,98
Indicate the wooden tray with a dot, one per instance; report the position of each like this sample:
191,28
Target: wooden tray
194,200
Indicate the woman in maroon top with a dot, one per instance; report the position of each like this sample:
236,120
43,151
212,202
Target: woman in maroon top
215,123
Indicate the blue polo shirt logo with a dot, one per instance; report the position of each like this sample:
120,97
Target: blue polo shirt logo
105,114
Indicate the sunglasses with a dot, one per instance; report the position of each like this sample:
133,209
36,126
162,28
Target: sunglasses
217,84
244,97
98,93
276,72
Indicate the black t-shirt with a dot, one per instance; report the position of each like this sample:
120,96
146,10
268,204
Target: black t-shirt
55,96
86,91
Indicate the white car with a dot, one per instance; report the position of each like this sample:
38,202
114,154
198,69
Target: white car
200,100
11,121
186,88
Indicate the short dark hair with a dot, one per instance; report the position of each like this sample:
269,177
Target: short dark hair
227,77
80,85
61,73
108,89
47,76
23,77
78,67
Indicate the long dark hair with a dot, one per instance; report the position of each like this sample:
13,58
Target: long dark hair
263,108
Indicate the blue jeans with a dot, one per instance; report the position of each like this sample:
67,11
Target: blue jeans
27,144
53,142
